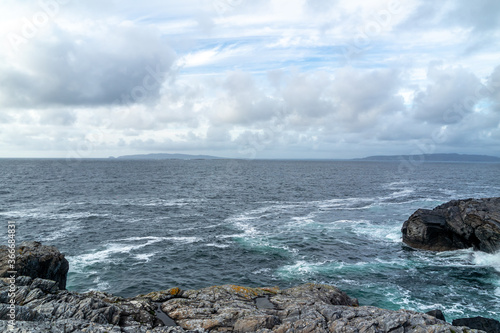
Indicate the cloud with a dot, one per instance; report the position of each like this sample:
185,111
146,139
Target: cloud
475,21
250,78
241,102
480,16
493,86
99,64
58,117
452,94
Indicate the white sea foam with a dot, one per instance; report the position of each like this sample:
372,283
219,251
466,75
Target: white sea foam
487,259
260,271
65,230
309,218
103,255
221,246
145,256
120,246
396,185
303,267
401,193
386,232
101,285
300,267
49,213
156,239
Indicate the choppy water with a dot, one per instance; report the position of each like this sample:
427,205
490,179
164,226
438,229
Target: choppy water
130,227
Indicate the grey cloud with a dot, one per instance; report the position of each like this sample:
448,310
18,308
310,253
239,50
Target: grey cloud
306,96
5,118
275,77
122,64
354,100
58,117
243,102
452,94
493,87
363,97
320,6
480,15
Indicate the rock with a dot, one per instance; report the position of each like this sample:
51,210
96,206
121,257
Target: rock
457,224
486,324
36,261
436,313
228,308
305,308
42,306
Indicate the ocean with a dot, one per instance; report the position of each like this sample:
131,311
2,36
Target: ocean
131,227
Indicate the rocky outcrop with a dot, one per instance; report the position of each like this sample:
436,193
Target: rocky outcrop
36,261
457,224
486,324
41,305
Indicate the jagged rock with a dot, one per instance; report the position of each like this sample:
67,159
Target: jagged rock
305,308
486,324
36,261
228,308
457,224
436,313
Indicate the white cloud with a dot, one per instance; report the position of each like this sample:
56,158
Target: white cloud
302,78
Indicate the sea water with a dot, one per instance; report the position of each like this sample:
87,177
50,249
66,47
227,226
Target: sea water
130,227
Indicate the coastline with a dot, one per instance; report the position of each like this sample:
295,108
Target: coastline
43,305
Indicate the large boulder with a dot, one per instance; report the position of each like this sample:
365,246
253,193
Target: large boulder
485,324
36,261
457,224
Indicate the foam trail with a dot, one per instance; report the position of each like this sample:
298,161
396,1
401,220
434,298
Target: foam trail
487,259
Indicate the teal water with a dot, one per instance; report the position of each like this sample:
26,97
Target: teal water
130,227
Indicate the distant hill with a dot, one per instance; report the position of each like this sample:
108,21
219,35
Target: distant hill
433,158
167,157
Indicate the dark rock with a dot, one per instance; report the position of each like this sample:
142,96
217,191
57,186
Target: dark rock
485,324
36,261
457,224
48,286
437,313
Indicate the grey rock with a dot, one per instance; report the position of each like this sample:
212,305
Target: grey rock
305,308
457,224
48,286
228,308
41,305
36,261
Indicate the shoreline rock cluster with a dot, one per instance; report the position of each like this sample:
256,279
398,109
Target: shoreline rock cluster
457,224
41,305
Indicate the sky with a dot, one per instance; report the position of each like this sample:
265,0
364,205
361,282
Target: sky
249,79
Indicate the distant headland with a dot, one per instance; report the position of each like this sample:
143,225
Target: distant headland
165,156
376,158
433,158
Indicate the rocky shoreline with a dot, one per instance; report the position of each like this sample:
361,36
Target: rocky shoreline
36,297
41,305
